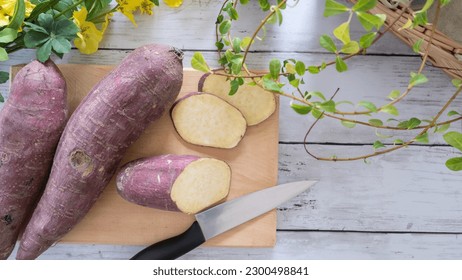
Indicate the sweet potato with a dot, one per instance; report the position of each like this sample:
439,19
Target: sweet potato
183,183
206,120
255,103
31,123
104,125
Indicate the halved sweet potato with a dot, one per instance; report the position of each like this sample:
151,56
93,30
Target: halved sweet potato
255,103
183,183
207,120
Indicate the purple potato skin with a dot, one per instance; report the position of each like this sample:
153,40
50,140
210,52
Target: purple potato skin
31,123
148,181
200,84
109,119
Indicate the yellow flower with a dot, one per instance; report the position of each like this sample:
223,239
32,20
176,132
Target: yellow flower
89,37
173,3
128,7
7,10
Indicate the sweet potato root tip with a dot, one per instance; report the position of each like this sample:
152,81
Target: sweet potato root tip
255,103
206,120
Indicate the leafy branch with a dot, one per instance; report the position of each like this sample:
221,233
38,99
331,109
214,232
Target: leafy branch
289,73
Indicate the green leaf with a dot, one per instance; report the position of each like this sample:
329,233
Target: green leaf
457,83
454,164
327,43
65,28
317,94
300,109
44,51
340,65
33,39
40,8
368,105
237,44
417,79
233,13
198,62
295,83
342,32
444,2
300,68
398,142
317,114
224,27
364,5
275,68
378,145
61,45
246,41
453,113
390,109
417,45
367,39
244,2
442,128
348,124
351,47
18,15
4,76
271,85
422,138
376,122
264,5
234,86
420,18
454,139
369,21
3,54
46,21
413,123
313,69
394,94
334,8
328,106
428,4
1,98
8,35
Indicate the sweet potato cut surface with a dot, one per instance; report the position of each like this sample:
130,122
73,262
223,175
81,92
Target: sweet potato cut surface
255,103
31,123
206,120
175,182
110,118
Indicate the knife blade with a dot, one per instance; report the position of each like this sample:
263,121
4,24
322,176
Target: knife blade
221,218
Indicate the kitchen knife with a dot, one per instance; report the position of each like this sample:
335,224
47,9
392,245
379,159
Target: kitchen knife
221,218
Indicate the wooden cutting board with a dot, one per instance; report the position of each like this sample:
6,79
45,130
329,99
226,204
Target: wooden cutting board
112,220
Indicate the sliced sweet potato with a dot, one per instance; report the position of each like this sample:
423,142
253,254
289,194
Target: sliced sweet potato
207,120
183,183
255,103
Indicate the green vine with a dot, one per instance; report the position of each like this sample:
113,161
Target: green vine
286,77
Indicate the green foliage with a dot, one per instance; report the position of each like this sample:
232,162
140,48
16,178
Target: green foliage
50,35
198,62
333,8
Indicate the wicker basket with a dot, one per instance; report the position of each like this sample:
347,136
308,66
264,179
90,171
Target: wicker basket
444,52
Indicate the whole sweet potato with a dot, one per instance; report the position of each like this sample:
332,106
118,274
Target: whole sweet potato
31,123
183,183
104,125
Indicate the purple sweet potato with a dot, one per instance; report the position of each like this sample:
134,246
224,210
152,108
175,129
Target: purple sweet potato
183,183
31,123
207,120
104,125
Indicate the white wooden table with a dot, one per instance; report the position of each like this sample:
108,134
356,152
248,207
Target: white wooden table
404,205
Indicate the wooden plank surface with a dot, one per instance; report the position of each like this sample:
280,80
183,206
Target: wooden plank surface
409,191
113,220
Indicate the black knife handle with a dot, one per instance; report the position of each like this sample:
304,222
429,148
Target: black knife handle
174,247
